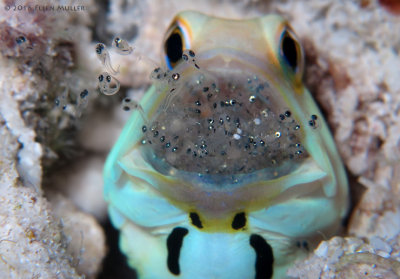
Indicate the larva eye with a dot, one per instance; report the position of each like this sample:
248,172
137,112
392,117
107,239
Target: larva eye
291,51
175,43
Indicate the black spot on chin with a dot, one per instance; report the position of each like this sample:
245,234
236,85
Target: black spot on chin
239,221
174,245
196,220
264,257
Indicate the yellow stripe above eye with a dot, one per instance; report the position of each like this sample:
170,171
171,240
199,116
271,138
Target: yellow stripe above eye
272,52
297,82
184,26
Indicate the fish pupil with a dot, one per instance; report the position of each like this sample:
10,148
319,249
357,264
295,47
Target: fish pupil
289,51
174,47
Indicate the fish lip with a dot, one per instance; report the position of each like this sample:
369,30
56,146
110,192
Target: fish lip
207,197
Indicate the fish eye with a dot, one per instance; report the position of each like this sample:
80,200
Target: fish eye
291,51
175,43
173,48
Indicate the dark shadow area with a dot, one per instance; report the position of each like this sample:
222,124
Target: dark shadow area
356,193
115,265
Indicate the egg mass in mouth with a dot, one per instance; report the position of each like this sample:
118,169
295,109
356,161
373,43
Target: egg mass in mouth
213,123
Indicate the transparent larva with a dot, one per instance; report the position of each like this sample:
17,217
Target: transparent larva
104,56
128,104
122,46
108,84
62,101
82,102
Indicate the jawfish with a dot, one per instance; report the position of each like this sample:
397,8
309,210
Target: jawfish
228,169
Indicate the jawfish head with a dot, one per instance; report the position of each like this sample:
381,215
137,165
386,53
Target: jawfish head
227,126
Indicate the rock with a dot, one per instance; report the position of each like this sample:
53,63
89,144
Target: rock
32,243
349,257
41,66
85,238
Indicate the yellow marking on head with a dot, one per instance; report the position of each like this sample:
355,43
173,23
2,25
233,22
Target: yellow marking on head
187,31
230,223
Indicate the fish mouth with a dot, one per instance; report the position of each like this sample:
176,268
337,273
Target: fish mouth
224,121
